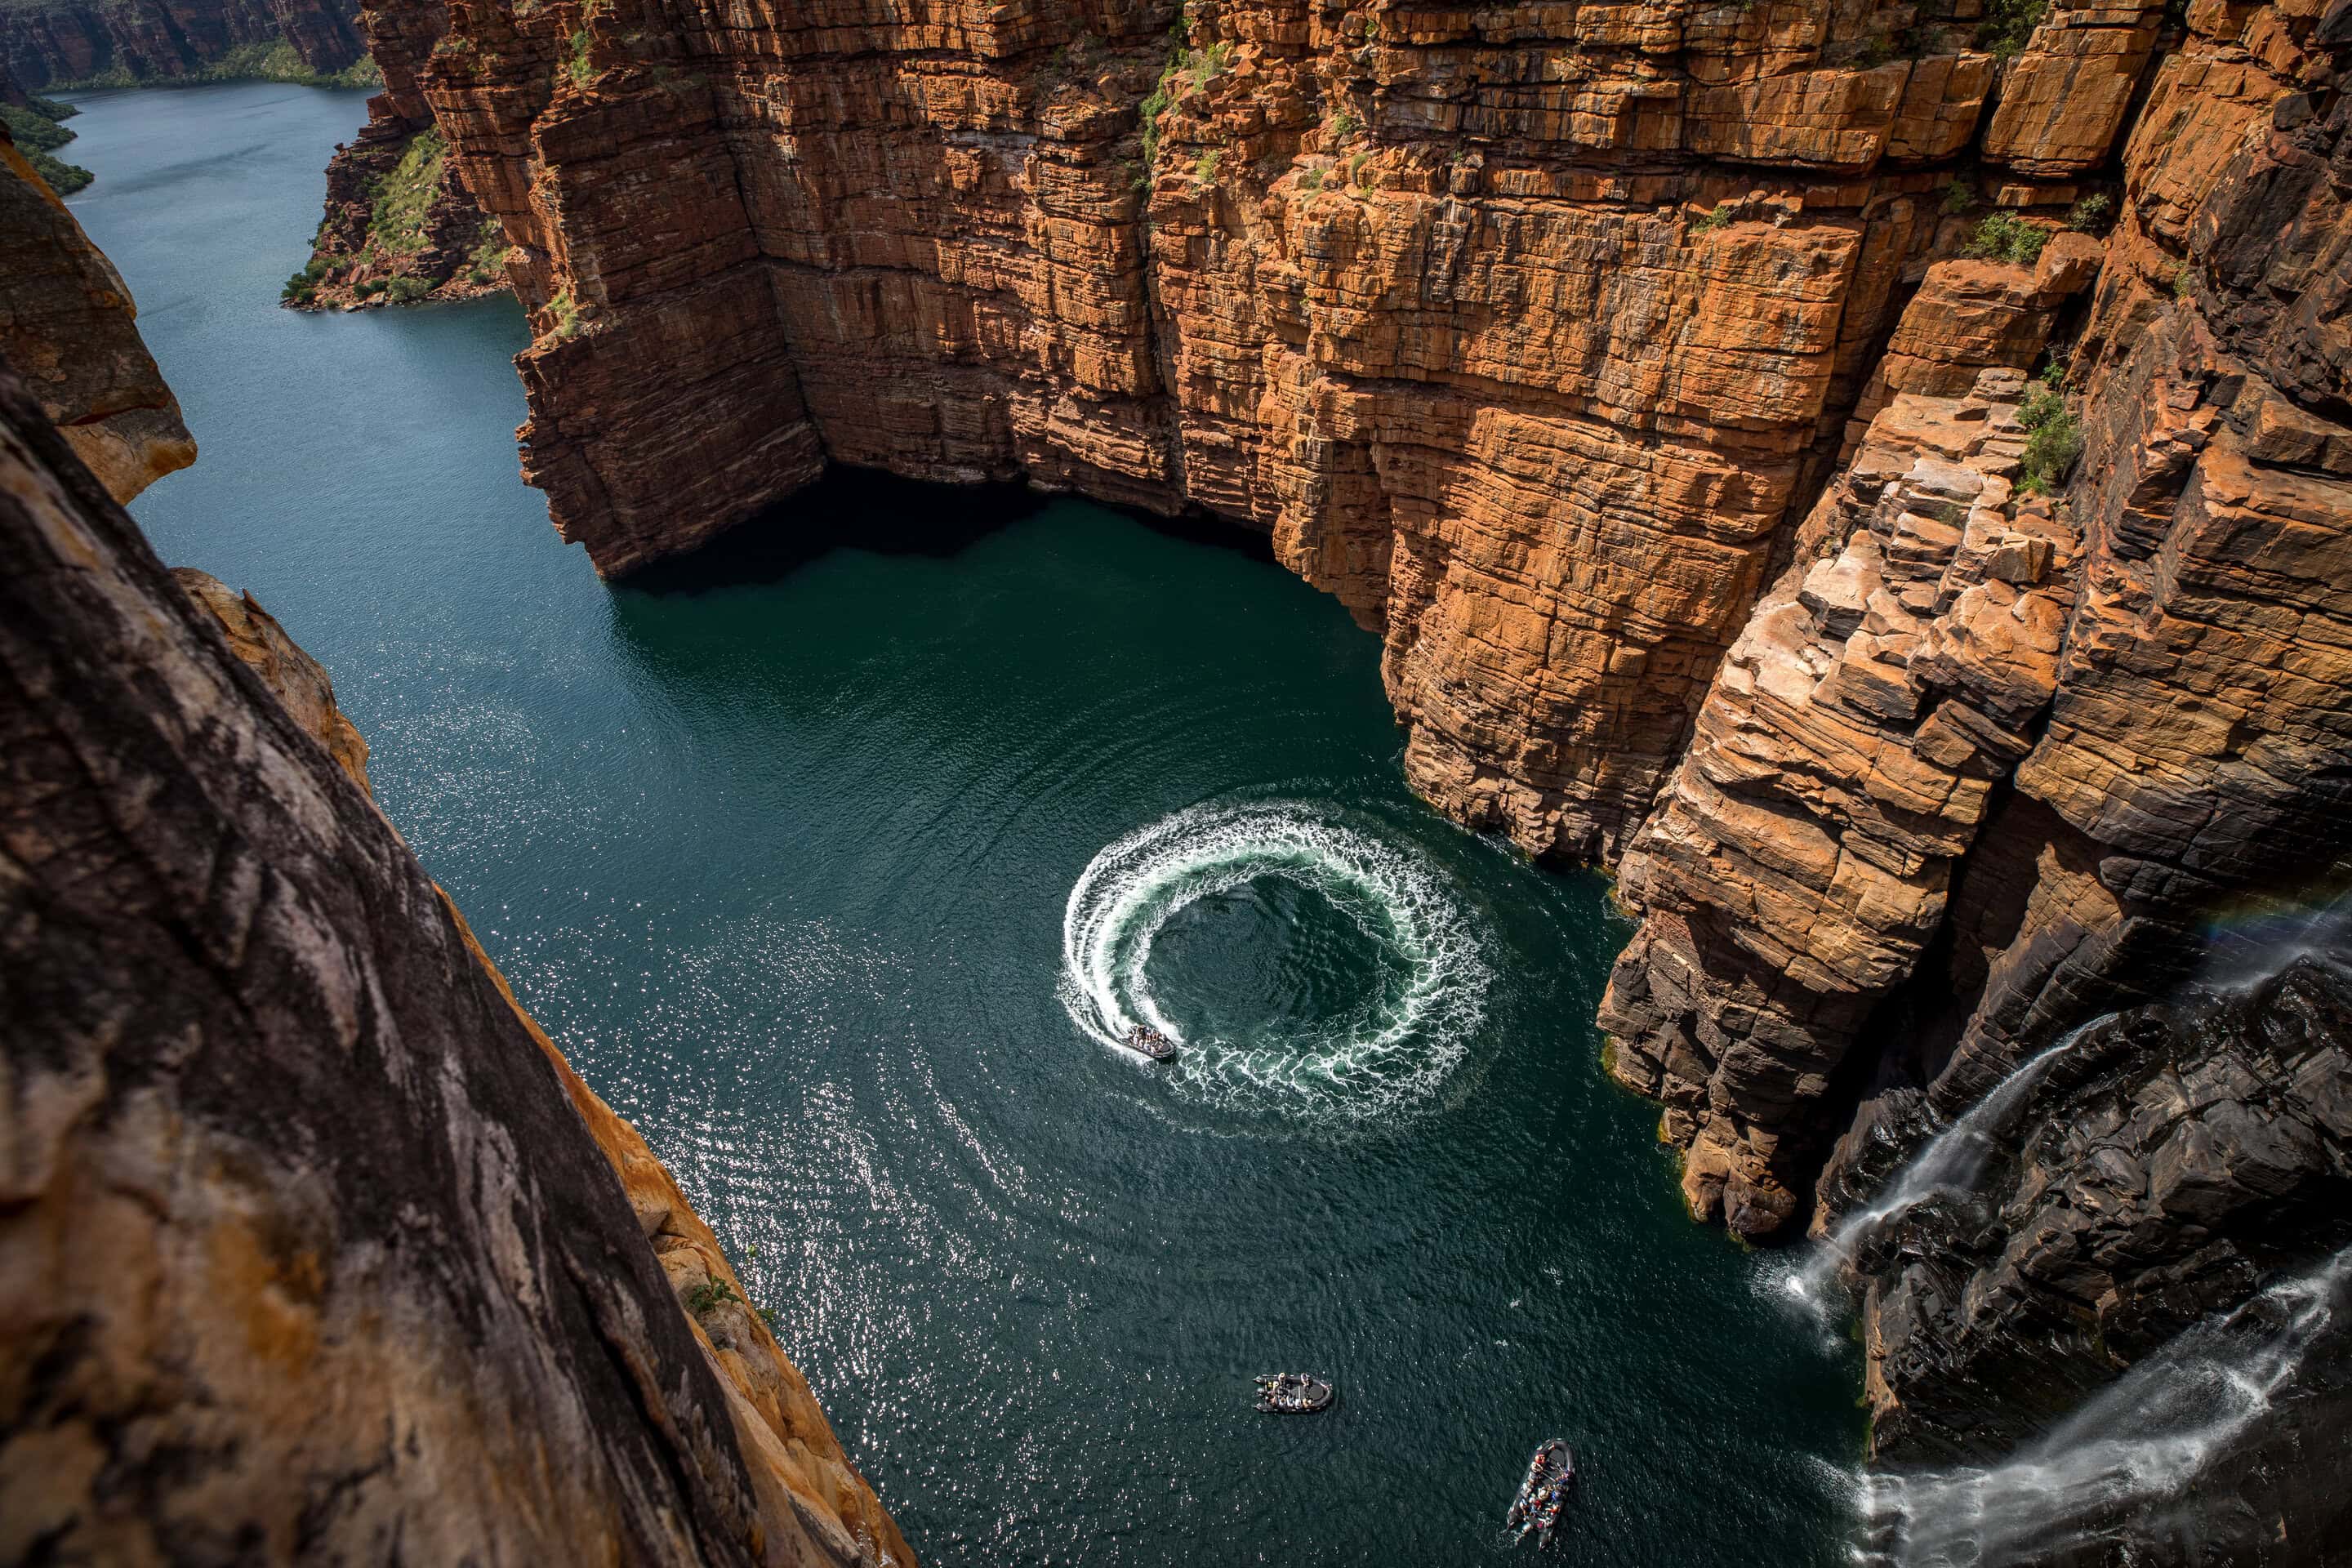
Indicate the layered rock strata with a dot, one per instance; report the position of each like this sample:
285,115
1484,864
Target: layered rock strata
313,1246
68,327
2186,742
51,43
1522,333
1844,759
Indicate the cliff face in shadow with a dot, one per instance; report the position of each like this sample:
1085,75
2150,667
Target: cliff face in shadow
312,1245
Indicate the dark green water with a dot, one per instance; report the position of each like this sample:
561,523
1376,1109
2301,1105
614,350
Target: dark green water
782,850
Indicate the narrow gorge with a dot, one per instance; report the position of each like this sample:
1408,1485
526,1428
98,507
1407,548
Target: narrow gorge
1871,482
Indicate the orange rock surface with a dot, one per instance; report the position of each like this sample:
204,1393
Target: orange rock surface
1520,333
2155,728
68,327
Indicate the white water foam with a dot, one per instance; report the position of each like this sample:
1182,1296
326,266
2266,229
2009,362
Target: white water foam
1388,1055
2131,1449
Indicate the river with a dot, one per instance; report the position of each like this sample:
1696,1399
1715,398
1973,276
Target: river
831,857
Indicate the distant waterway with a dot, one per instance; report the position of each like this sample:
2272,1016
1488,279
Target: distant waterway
839,862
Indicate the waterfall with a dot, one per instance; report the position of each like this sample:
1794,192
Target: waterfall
2124,1453
1950,1162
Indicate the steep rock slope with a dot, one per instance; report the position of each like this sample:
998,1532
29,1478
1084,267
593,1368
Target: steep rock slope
1520,331
68,327
2168,727
48,43
313,1245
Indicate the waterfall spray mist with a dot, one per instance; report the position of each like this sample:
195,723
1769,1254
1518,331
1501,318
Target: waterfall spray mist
2129,1449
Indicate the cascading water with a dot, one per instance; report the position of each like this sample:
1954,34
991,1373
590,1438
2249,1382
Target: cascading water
1384,1051
2121,1458
1950,1162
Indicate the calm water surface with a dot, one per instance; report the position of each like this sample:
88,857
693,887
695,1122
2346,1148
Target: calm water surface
783,848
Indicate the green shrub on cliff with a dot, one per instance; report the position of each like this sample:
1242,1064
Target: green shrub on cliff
2009,25
406,290
575,63
2004,237
712,1292
1719,217
2089,215
2053,442
566,313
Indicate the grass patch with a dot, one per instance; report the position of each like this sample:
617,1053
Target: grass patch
2006,237
403,197
1205,169
490,253
575,63
566,311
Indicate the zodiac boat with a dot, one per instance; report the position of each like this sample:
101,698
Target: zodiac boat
1150,1043
1293,1394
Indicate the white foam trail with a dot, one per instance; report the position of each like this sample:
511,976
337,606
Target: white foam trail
1390,1052
2130,1448
1950,1162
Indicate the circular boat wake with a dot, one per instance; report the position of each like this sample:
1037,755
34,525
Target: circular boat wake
1384,1051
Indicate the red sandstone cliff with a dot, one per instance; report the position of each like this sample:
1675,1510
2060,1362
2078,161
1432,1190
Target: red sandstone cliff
1520,331
400,226
2163,727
